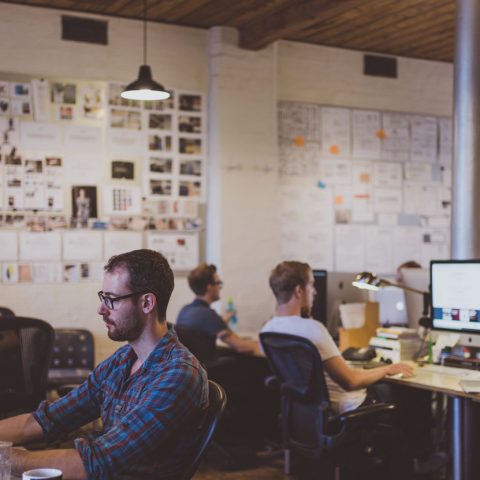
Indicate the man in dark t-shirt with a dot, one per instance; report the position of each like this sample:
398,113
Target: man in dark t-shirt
198,315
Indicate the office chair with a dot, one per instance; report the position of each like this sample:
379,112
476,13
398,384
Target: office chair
308,426
6,312
25,351
216,405
73,359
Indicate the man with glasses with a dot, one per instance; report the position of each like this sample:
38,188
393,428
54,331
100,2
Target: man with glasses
199,316
150,394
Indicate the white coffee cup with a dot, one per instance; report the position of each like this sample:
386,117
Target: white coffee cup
42,474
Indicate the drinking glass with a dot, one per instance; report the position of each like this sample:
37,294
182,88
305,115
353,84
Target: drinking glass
5,464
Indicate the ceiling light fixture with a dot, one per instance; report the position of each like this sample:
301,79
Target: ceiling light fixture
145,88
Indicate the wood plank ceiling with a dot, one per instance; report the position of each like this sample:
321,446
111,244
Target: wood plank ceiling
410,28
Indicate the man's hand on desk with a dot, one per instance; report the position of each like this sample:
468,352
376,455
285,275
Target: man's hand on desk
404,369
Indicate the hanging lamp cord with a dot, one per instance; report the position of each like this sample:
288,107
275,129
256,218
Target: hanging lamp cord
144,32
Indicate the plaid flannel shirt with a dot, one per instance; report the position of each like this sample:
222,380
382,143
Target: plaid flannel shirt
149,419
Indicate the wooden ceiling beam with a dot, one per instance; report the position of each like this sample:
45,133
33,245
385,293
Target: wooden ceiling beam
286,22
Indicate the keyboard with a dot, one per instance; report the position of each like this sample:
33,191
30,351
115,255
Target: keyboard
454,371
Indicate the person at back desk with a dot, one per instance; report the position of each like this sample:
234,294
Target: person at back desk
292,285
198,315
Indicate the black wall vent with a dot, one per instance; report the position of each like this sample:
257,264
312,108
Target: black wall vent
81,29
380,66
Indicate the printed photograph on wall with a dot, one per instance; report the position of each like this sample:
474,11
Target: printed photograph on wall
191,146
189,189
190,103
84,204
160,121
191,167
168,104
162,143
190,124
64,93
161,165
123,169
160,187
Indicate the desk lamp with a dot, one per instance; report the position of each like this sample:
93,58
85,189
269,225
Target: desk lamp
370,281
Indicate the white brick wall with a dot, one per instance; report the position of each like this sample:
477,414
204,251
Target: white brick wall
243,90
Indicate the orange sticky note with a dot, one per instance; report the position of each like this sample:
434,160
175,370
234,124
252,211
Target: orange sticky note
299,141
339,200
365,177
381,134
334,150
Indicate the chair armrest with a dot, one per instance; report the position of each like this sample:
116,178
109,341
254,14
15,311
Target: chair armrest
364,412
272,383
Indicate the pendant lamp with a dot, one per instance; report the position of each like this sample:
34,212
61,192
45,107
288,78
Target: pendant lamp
144,87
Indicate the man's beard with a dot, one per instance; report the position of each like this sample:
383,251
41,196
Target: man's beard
127,332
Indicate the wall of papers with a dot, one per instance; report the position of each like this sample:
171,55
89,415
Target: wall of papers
85,173
363,189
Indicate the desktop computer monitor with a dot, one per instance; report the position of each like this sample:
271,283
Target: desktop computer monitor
456,298
340,290
391,305
319,308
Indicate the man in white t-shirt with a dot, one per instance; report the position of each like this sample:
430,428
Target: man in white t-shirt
292,285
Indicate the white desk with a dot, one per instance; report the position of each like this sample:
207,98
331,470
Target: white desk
465,409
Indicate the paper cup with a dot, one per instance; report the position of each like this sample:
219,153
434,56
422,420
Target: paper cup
42,474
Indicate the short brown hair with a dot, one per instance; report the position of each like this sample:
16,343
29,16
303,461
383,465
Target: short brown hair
285,277
201,277
148,271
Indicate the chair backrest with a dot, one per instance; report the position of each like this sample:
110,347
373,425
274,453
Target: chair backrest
26,346
6,312
297,365
216,404
199,343
73,356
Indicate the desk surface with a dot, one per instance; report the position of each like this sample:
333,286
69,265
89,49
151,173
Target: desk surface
438,380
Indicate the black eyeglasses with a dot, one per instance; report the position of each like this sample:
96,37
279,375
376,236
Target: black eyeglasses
109,302
219,283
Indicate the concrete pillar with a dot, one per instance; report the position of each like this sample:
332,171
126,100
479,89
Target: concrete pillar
466,165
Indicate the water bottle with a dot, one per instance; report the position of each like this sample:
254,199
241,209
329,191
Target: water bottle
233,318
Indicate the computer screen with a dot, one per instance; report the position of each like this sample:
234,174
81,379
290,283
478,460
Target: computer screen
392,308
319,308
456,295
340,290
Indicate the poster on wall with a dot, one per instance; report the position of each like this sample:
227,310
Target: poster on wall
84,204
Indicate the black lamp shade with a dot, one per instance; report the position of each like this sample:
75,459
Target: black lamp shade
145,88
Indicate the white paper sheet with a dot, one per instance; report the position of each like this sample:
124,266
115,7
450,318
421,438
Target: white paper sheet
418,172
336,171
387,200
445,156
125,143
366,140
82,245
8,245
379,250
407,243
349,248
335,131
396,139
423,145
387,174
43,272
44,137
40,246
41,100
181,251
421,199
120,242
83,140
299,120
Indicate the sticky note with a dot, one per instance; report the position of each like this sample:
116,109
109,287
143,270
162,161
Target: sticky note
321,184
299,141
381,134
339,200
334,150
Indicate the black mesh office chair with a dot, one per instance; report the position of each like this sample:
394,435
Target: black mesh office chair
6,312
216,405
25,351
308,426
73,359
